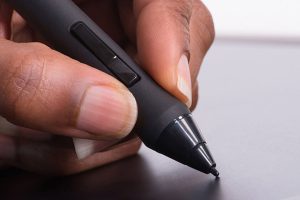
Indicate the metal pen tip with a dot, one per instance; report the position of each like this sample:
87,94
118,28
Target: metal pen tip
215,172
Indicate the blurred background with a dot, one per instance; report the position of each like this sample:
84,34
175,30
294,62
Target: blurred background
277,20
249,97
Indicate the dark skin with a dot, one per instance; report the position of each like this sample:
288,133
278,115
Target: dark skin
157,34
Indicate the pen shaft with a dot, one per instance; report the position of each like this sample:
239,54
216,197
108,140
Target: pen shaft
55,19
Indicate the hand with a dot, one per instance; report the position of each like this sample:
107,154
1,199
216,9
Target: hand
53,97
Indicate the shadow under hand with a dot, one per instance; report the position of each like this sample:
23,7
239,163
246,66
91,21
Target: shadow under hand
131,178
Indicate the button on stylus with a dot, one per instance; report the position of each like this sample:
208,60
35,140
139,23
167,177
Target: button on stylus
117,66
121,70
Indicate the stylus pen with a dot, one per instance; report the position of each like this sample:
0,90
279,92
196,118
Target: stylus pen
164,124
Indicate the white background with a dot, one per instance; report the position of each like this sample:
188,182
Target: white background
267,19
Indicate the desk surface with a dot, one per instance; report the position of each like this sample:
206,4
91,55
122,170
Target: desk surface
250,115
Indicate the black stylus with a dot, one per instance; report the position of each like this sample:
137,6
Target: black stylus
164,124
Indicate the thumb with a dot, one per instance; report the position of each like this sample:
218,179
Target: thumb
44,90
163,43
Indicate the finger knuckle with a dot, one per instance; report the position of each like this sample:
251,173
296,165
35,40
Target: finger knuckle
24,83
205,19
181,10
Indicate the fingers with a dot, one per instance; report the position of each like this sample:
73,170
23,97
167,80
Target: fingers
201,37
5,15
44,90
21,31
34,155
195,95
168,35
7,150
163,43
57,156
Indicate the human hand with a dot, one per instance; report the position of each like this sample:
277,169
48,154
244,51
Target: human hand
52,94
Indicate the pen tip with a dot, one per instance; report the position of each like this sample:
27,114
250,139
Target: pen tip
215,172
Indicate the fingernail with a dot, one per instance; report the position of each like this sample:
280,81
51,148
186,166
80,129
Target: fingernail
184,80
107,112
85,148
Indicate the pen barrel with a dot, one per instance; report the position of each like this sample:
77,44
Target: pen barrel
55,18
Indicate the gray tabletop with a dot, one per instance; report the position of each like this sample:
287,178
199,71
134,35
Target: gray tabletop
250,115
